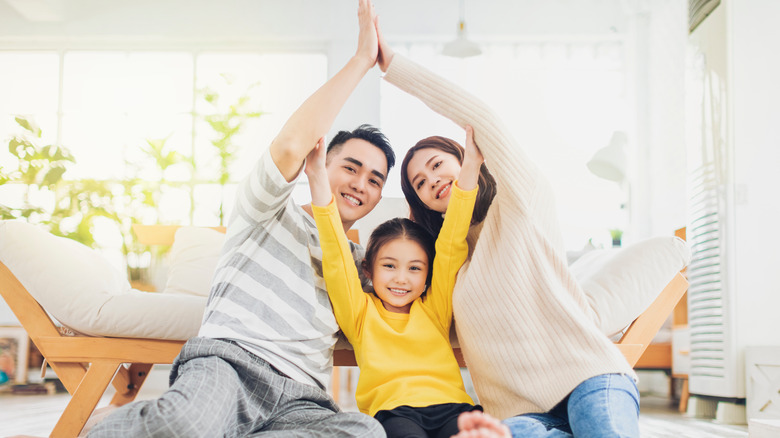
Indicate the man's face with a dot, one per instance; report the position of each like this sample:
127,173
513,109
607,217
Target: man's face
357,172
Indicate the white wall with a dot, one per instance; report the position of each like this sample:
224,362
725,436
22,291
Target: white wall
754,69
323,25
654,30
658,197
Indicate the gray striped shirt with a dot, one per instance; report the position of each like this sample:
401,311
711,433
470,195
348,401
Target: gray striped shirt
268,294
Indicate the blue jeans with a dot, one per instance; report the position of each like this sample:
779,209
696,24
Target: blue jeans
602,406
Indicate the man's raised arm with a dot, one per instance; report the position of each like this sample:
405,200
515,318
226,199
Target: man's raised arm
312,120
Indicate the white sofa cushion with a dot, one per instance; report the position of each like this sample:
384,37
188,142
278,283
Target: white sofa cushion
193,260
621,283
78,287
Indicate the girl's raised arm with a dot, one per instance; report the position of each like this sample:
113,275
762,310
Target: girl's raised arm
318,175
472,160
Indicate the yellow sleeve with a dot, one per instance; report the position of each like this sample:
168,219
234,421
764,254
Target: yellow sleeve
451,252
338,268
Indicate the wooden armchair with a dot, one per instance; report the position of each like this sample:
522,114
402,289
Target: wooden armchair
641,332
86,365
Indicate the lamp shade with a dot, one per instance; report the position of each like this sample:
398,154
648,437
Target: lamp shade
461,47
609,162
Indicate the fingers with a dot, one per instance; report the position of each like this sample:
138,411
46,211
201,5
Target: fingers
319,148
368,45
385,52
466,421
471,146
476,424
316,157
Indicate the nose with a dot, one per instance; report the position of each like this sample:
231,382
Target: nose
359,184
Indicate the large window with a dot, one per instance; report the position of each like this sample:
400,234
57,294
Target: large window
109,107
561,101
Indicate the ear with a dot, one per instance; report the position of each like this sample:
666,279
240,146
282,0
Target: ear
366,269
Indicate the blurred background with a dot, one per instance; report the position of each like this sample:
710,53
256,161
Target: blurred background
155,109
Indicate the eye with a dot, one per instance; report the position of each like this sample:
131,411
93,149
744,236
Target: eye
420,184
415,268
350,169
375,182
437,164
388,266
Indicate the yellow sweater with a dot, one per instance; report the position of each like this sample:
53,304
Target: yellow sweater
404,359
525,326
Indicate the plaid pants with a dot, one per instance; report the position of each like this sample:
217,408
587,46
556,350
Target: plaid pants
220,390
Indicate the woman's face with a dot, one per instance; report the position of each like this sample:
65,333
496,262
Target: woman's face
431,173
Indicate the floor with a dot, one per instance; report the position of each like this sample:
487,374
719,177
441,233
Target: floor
36,415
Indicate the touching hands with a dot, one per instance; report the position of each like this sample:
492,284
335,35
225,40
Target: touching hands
472,160
472,150
385,56
368,44
318,175
315,161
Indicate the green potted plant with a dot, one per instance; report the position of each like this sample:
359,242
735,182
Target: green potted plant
617,237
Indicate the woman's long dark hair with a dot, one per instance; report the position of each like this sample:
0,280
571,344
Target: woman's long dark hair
430,219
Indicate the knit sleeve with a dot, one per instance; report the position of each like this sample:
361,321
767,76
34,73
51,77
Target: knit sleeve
340,273
506,160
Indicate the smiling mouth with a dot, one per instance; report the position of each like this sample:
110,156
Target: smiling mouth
352,200
399,292
443,191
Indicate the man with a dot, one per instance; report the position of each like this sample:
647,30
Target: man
261,362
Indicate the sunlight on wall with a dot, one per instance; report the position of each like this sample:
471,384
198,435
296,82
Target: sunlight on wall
104,106
561,101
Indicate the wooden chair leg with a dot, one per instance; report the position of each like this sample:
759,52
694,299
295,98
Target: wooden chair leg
336,384
70,374
128,381
684,396
84,400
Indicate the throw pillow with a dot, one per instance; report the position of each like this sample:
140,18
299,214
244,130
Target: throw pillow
193,260
84,292
620,284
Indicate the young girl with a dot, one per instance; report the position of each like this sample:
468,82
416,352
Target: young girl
409,377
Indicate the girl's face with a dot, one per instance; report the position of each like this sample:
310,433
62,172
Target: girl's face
431,173
399,273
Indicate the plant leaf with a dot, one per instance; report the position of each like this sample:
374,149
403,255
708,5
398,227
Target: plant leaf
28,125
53,176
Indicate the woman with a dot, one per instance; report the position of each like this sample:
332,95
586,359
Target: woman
523,322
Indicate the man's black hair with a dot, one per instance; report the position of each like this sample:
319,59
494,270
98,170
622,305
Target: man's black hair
368,133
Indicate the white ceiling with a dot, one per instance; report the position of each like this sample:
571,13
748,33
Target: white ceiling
22,20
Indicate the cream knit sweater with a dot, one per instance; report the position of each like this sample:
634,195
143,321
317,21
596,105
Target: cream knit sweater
523,322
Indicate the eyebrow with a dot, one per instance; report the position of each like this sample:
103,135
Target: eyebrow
358,163
426,165
393,259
